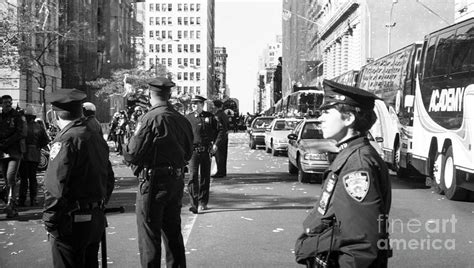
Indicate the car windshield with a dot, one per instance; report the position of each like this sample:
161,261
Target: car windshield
262,122
285,125
311,130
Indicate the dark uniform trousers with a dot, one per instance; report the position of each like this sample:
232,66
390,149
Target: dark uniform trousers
160,218
79,239
221,158
198,186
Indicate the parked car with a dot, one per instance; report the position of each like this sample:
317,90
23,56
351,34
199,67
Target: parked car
276,136
308,150
257,130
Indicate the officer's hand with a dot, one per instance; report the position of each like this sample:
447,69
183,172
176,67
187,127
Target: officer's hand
213,149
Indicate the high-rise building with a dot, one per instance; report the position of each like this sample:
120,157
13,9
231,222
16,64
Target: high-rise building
220,65
179,35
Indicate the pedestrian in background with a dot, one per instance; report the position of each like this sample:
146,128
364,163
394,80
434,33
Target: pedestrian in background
205,131
88,109
158,151
347,228
78,182
222,140
113,128
121,131
12,131
36,139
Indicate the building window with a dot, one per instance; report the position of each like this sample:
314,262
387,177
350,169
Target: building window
198,62
191,76
185,88
163,7
198,77
180,76
198,34
191,34
191,21
180,61
191,48
169,62
157,34
179,89
185,7
198,20
163,21
157,20
186,48
163,34
170,35
152,7
198,7
198,89
180,21
157,61
163,61
151,34
170,21
157,48
152,21
191,61
170,48
163,48
170,7
180,34
185,20
157,7
151,62
185,34
180,48
185,77
191,7
198,48
151,48
191,90
180,7
185,62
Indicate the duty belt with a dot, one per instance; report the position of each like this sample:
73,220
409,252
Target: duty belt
169,170
200,148
89,205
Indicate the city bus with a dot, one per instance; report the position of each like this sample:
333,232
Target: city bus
301,103
443,120
392,77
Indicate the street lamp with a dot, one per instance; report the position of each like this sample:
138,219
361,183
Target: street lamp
390,25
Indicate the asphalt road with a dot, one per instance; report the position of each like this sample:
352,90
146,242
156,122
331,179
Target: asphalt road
254,218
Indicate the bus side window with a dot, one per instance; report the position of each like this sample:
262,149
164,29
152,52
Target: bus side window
429,57
463,50
443,53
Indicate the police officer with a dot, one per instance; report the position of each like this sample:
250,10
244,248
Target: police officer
36,139
205,132
347,227
158,151
88,109
12,131
222,140
78,181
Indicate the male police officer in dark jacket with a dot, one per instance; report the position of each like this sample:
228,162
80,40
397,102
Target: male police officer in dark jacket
159,150
347,228
222,140
78,181
205,132
12,131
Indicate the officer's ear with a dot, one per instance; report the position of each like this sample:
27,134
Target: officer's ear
349,119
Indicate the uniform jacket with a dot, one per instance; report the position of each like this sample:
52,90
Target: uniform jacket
35,140
360,197
222,128
12,131
205,127
79,170
162,135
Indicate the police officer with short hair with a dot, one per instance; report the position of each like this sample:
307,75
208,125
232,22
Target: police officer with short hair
205,132
78,182
12,131
222,140
158,151
88,109
347,227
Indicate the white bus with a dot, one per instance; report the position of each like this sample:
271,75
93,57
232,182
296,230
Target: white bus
442,146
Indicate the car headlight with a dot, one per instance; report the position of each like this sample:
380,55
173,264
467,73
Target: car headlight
320,156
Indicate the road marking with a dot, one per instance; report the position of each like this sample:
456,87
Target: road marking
187,229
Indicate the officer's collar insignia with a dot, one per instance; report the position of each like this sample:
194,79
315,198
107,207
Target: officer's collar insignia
55,148
357,184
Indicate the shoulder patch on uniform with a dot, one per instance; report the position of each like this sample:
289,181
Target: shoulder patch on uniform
357,184
55,148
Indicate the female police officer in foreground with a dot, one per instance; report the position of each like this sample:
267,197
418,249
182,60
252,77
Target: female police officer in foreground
347,227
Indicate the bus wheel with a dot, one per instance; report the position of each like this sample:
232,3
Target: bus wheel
453,191
401,172
437,183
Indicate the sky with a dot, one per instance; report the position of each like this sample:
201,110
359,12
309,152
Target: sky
244,28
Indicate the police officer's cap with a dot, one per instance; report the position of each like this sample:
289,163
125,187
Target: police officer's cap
335,93
161,85
198,98
67,99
